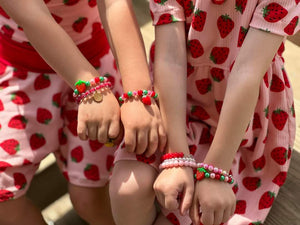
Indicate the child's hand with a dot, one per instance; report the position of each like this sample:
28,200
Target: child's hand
99,121
174,188
143,129
216,201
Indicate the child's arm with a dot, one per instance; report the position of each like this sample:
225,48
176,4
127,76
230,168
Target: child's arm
295,38
60,52
239,103
170,81
143,128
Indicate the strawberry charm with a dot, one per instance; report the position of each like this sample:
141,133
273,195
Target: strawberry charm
81,86
146,100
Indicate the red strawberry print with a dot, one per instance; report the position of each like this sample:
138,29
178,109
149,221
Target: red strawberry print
161,2
280,155
1,105
235,188
70,2
3,13
72,126
18,122
280,178
91,172
199,20
4,165
266,79
192,149
240,207
20,98
109,162
144,159
266,111
92,3
173,219
2,69
4,84
242,165
56,99
205,137
266,200
188,8
21,74
297,2
77,154
196,48
152,52
225,25
277,84
7,30
20,180
199,112
36,141
26,162
244,142
281,49
290,28
66,175
11,146
219,54
252,147
285,77
5,195
218,2
71,115
42,81
274,12
240,5
43,116
57,18
218,105
62,137
217,74
256,122
256,223
203,86
190,69
79,24
95,145
166,19
259,163
279,118
242,35
251,183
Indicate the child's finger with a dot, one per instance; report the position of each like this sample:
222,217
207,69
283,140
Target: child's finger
142,141
194,212
187,199
218,216
153,142
162,138
114,129
102,133
226,215
171,202
207,216
92,131
130,140
81,130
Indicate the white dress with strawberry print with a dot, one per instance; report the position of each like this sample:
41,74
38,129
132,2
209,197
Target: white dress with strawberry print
38,113
215,33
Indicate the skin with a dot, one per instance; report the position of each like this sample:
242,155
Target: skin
216,198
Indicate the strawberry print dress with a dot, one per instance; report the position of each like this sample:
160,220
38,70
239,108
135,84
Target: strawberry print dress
215,33
37,110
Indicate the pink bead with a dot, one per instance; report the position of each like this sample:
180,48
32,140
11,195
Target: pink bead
212,175
176,163
210,168
216,170
226,179
93,90
205,166
200,164
92,82
220,171
134,93
181,163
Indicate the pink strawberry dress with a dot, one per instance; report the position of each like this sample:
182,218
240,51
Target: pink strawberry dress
215,34
37,111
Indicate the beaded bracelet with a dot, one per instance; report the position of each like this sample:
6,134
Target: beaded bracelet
177,159
95,92
144,94
82,86
209,171
172,155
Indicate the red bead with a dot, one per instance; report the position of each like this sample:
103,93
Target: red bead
140,92
199,175
218,176
146,100
125,95
152,94
97,80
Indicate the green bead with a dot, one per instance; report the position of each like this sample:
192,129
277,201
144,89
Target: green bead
155,96
121,99
222,178
87,83
101,79
202,170
129,93
76,92
145,92
231,182
79,82
207,175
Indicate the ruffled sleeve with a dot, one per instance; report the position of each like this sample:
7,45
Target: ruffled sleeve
277,16
166,11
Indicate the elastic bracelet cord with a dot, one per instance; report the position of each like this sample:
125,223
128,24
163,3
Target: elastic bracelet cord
209,171
144,95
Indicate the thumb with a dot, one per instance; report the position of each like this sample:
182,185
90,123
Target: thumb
187,199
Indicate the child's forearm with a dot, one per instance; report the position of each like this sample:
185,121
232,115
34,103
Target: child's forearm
170,83
126,42
295,39
50,40
241,95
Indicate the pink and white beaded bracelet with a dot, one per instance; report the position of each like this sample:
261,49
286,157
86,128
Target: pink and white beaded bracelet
144,95
172,160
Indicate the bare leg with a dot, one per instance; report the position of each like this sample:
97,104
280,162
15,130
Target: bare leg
92,204
131,193
162,220
20,211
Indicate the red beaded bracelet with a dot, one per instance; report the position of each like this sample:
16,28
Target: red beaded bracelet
171,155
145,96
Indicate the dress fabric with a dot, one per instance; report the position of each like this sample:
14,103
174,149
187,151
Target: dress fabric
215,34
38,113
